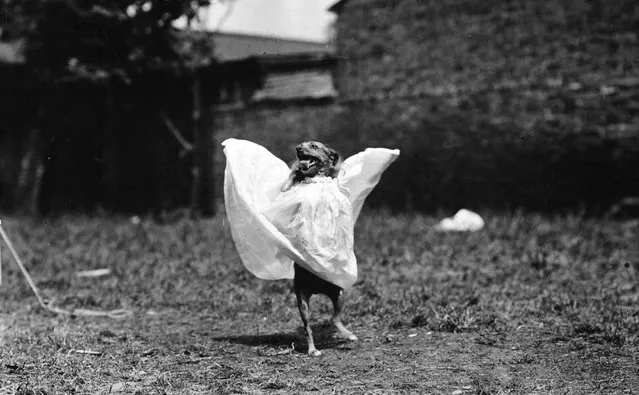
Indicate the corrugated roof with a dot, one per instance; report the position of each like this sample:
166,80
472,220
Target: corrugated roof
299,85
230,46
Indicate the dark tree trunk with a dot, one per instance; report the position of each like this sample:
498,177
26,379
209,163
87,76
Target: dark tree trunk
202,199
28,184
29,163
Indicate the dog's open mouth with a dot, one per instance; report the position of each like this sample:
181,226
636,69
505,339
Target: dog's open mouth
306,161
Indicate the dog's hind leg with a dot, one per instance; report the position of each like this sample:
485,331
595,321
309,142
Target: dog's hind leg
337,316
302,304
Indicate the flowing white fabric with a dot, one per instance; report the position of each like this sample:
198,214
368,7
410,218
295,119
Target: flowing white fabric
311,223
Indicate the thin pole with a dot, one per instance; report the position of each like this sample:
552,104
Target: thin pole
120,313
19,262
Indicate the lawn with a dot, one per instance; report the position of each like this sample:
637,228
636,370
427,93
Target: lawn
530,304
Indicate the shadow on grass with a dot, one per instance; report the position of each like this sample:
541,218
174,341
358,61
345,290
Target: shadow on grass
323,334
274,340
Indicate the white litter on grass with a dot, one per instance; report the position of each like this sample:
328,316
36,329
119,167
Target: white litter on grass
463,221
153,312
93,273
117,387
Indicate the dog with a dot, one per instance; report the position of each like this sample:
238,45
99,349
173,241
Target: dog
315,159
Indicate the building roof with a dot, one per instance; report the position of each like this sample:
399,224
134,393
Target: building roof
295,69
233,47
227,47
298,85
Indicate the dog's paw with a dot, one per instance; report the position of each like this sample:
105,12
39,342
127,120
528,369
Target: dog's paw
314,353
347,335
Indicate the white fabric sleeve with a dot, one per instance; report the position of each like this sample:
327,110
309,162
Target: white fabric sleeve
252,179
361,172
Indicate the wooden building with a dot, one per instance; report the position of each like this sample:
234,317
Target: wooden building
130,147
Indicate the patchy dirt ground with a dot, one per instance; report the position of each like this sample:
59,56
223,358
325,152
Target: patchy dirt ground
530,304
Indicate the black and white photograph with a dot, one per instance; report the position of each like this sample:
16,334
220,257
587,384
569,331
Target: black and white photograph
319,197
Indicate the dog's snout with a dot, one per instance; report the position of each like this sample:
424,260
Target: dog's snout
305,146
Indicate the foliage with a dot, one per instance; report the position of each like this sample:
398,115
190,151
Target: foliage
97,39
493,104
530,304
457,47
498,102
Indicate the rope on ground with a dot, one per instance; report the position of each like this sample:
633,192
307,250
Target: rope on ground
119,313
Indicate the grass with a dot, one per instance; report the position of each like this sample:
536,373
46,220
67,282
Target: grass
530,304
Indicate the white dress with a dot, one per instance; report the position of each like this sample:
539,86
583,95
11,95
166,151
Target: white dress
311,223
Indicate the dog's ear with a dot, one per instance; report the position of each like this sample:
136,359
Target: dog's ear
333,156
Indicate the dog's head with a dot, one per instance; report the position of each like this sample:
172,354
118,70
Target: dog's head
313,159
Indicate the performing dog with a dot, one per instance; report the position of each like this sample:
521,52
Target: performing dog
314,159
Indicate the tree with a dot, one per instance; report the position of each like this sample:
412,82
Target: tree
109,41
97,39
